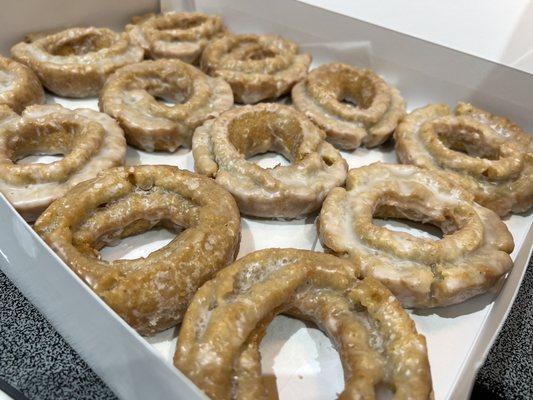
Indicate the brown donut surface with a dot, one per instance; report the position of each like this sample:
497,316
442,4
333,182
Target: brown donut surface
151,293
218,344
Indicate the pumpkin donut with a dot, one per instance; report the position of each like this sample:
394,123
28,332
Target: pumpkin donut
355,107
89,141
487,155
218,344
133,96
257,67
472,257
222,145
19,87
77,61
151,293
181,35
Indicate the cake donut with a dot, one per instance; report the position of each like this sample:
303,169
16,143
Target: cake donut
354,107
487,155
472,256
222,145
88,140
218,344
19,87
150,293
160,103
76,62
257,67
181,35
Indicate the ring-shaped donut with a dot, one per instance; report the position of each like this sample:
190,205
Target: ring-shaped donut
222,145
19,87
471,257
181,35
89,141
218,344
354,107
486,154
77,61
151,293
133,94
256,67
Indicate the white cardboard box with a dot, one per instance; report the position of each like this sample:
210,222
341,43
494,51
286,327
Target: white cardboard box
302,358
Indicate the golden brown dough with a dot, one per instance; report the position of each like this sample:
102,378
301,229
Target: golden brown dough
89,141
76,62
19,87
472,256
133,96
257,67
181,35
488,155
377,341
355,107
221,147
151,293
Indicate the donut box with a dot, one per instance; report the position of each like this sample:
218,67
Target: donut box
301,358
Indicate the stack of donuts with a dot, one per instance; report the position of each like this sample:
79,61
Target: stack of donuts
185,80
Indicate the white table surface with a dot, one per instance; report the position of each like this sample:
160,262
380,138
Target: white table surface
497,30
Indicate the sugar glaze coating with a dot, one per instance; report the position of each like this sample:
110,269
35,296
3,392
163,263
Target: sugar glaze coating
221,147
472,257
486,154
151,293
88,140
218,344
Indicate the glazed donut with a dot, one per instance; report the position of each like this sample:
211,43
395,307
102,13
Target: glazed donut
19,87
218,344
486,154
353,106
221,146
256,67
472,256
131,96
89,141
151,293
181,35
76,62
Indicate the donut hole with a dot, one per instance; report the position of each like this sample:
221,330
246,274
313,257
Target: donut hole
250,49
466,139
315,368
137,245
138,239
167,88
259,54
261,132
384,391
42,143
134,221
85,43
40,159
355,91
183,22
415,221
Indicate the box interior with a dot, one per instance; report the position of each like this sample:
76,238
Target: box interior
300,360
